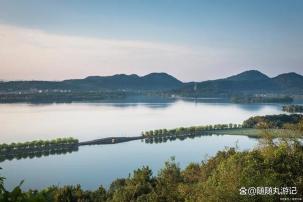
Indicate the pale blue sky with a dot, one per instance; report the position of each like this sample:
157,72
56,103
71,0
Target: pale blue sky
192,40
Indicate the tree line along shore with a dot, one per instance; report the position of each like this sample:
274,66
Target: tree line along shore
251,127
38,145
38,148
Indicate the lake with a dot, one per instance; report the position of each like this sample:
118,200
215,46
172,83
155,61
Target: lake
92,166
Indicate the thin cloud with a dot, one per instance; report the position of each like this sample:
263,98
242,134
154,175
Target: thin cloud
27,54
35,54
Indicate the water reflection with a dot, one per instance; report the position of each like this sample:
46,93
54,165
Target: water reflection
38,153
171,138
164,139
104,163
148,105
254,107
88,121
92,166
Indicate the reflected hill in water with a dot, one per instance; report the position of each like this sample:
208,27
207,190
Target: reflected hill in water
163,102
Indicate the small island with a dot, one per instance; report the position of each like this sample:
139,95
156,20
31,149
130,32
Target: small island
293,108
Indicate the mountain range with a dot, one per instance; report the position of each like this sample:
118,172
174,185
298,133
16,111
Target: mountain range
248,82
122,82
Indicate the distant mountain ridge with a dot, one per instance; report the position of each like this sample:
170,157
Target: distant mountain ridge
248,82
289,80
153,81
252,75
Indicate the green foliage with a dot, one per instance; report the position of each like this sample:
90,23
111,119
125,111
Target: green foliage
38,148
193,130
292,108
272,121
38,144
271,164
217,179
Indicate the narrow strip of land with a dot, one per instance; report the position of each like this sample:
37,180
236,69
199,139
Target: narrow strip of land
110,140
67,145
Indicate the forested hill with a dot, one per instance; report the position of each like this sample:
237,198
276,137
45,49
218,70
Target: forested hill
248,82
153,81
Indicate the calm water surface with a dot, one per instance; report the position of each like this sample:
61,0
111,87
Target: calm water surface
22,122
101,164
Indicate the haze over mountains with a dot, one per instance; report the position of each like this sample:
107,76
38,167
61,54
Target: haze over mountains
247,82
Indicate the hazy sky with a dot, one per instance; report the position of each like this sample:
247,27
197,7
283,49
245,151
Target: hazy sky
190,39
